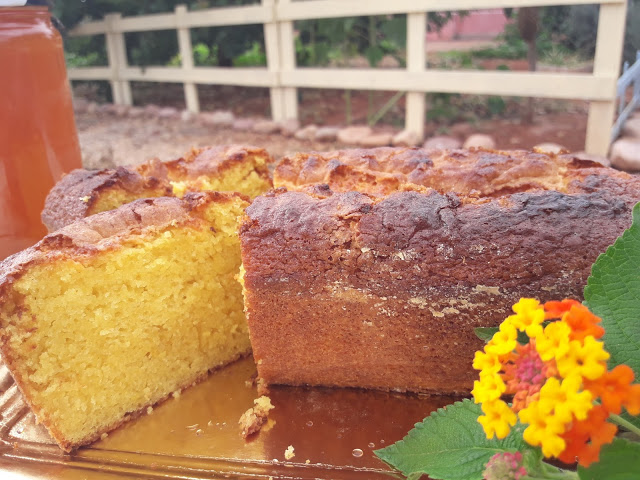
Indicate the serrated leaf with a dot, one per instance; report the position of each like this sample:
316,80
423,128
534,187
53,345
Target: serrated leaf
450,445
618,461
613,293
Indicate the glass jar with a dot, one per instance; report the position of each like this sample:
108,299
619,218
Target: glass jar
38,138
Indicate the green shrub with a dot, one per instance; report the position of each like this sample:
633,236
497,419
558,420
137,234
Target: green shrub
254,57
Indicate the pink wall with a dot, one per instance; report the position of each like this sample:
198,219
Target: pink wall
478,24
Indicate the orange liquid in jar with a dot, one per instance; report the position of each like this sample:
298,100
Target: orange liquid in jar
38,138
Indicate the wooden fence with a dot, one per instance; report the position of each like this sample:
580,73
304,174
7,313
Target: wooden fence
282,76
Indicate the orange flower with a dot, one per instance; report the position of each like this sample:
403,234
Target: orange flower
555,309
557,380
615,390
585,438
583,323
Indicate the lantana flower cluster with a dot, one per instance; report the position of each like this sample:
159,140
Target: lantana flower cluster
559,381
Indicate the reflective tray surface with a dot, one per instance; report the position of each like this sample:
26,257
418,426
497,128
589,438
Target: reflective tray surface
333,432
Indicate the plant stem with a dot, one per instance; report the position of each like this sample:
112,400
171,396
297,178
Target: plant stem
625,423
385,108
347,106
550,472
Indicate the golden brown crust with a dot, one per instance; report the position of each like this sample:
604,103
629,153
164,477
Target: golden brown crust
384,291
468,173
206,161
77,193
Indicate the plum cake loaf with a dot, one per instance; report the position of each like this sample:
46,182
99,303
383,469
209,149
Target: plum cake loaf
230,168
116,311
383,287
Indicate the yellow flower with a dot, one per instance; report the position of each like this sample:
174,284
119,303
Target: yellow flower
564,399
485,362
543,430
529,316
503,341
489,388
554,342
497,419
585,359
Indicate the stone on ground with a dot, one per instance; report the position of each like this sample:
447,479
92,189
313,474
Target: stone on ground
289,127
266,126
442,142
406,138
306,133
135,112
188,116
168,112
244,124
625,154
479,140
376,140
218,118
327,134
631,127
353,135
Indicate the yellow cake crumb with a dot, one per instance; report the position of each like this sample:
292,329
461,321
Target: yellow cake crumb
253,419
289,453
85,199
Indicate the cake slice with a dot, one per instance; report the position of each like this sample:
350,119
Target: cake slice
229,168
114,312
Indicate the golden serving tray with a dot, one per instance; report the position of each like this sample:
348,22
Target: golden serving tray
196,436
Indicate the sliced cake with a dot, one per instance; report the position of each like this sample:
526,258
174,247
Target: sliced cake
229,168
116,311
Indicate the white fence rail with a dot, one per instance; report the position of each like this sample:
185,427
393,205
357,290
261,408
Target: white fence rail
282,76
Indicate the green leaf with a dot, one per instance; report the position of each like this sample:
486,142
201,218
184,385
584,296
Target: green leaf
485,333
613,293
374,54
450,445
618,461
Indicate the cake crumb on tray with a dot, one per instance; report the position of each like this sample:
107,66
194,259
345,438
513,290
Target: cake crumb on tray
253,419
289,453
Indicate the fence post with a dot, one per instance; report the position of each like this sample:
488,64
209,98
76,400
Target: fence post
112,57
117,55
609,42
416,58
273,62
279,47
288,64
186,58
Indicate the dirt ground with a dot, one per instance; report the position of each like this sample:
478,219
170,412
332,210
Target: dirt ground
107,140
